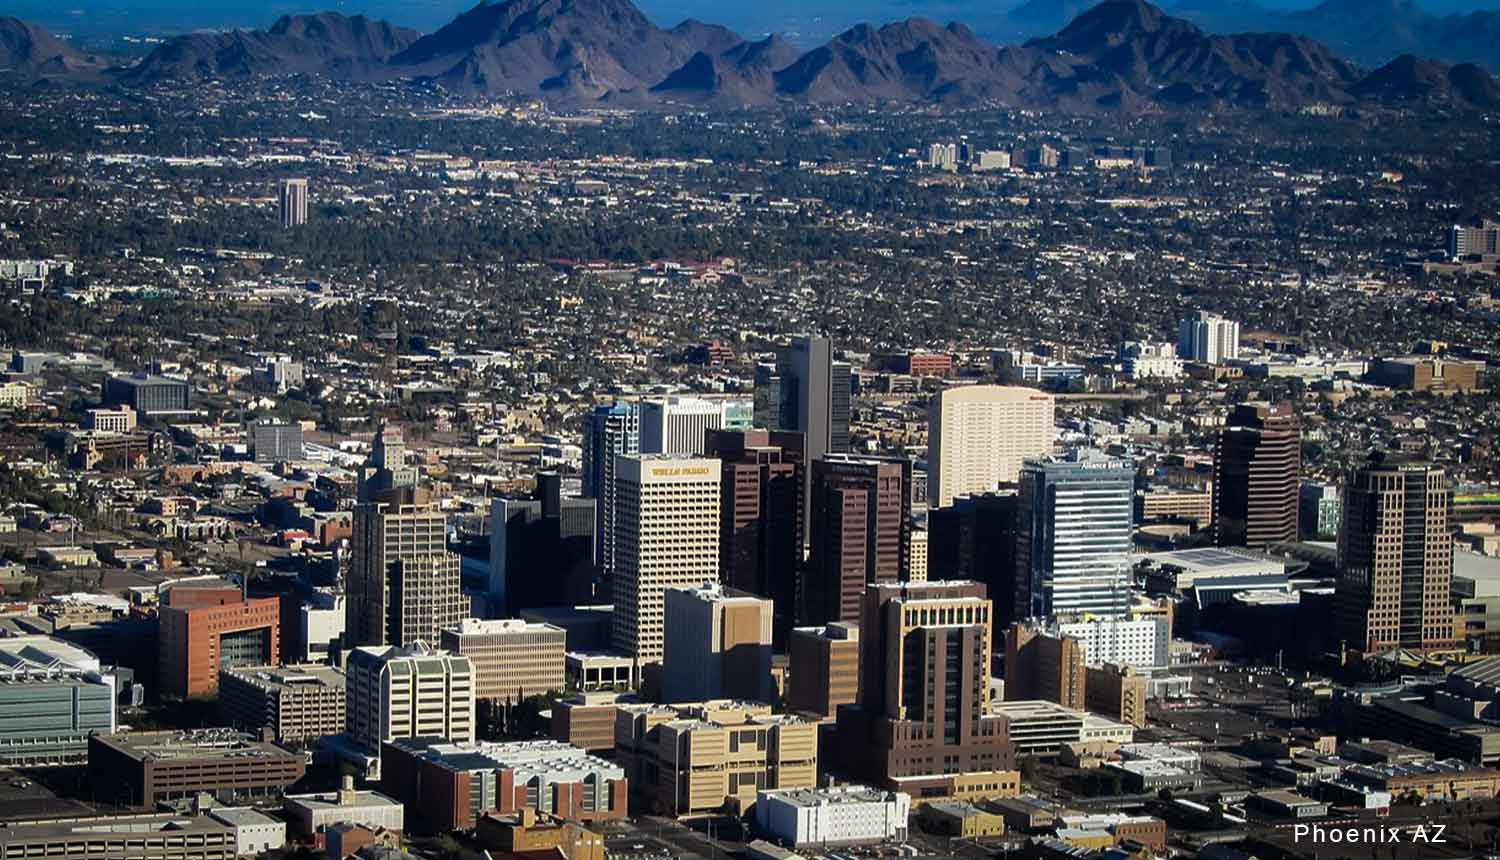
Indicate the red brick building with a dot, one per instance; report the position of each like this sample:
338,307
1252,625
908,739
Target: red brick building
446,782
196,641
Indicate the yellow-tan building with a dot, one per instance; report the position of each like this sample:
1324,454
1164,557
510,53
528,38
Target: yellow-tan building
1117,692
693,758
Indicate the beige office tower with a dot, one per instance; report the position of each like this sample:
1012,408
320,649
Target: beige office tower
666,535
414,692
513,659
404,585
717,645
978,436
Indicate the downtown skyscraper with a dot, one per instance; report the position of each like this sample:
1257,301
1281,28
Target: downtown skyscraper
979,435
1396,558
1257,459
807,392
860,523
404,585
1075,529
609,432
666,535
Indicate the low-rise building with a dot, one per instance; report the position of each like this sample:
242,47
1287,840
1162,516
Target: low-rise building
1043,728
587,721
314,813
695,758
964,820
1451,780
845,815
143,768
452,785
53,695
121,837
255,833
512,659
297,704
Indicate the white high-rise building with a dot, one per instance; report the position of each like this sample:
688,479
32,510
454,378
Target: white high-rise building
293,202
1076,528
1143,643
414,692
666,535
979,435
677,425
1209,338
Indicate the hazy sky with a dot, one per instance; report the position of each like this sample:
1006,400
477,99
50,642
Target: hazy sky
805,20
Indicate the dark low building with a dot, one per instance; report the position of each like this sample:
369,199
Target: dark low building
143,768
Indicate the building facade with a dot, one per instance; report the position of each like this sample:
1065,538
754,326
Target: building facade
144,768
680,425
762,516
921,724
979,435
1075,535
409,692
843,815
666,534
823,664
195,642
1257,460
860,525
451,785
404,584
717,645
1209,338
609,432
53,695
293,198
1396,558
296,704
512,659
1045,665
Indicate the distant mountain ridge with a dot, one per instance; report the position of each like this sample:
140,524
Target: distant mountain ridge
1118,55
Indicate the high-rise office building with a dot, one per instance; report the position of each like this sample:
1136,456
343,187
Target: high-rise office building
1075,532
541,549
679,425
1042,664
293,202
760,527
666,535
1208,338
275,442
404,585
822,668
807,392
1256,463
975,540
1396,558
979,435
608,432
717,645
922,721
198,637
414,692
860,523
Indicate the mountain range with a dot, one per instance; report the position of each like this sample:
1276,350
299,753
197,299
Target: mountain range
1369,32
1119,55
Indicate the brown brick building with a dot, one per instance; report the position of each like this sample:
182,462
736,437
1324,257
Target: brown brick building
194,642
1042,665
1117,692
859,522
922,722
451,786
760,538
141,768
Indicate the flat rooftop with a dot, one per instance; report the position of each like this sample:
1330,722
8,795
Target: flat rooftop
290,678
201,744
810,797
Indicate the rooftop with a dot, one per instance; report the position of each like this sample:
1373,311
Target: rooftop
198,744
809,797
312,675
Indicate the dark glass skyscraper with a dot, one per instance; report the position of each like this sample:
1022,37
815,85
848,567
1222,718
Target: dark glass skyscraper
1256,464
